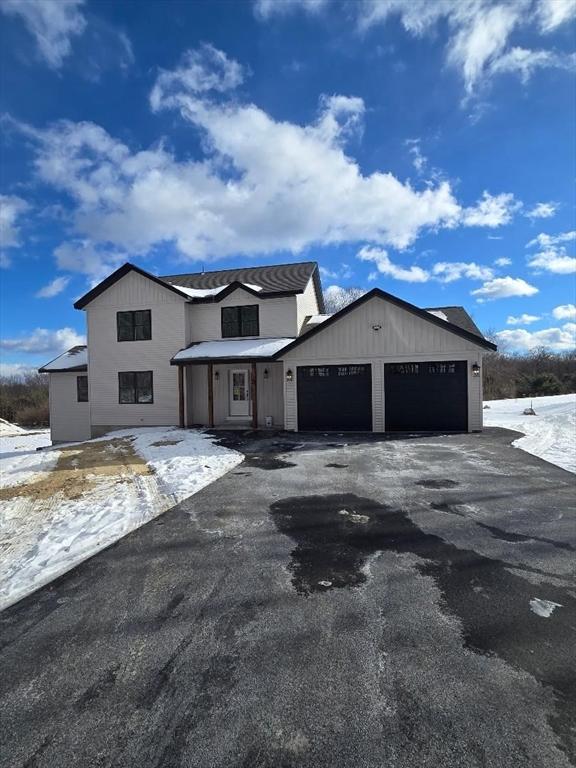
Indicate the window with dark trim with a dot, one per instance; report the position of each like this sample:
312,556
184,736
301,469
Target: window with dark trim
134,325
403,369
135,387
82,389
240,321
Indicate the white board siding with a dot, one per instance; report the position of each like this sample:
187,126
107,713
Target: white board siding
269,393
277,317
69,419
403,337
107,356
306,304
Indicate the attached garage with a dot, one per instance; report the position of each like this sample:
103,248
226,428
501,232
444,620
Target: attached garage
335,397
383,365
426,396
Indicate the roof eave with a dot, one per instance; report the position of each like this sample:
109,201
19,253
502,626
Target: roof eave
205,360
75,369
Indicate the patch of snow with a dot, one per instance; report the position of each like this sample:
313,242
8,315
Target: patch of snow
317,319
438,313
73,358
201,293
20,462
238,348
7,429
42,539
549,434
543,608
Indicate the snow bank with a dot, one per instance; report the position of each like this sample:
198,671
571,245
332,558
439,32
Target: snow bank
550,434
42,538
6,428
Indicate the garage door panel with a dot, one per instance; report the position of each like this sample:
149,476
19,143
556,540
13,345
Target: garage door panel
335,397
426,396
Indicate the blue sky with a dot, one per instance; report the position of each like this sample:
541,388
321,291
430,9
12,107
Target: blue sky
422,146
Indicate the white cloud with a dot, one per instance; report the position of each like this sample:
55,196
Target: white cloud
42,340
504,261
565,312
53,288
264,9
16,370
553,257
521,319
448,272
343,272
52,23
503,288
383,264
525,62
491,210
201,70
84,257
542,211
553,13
11,207
419,161
556,339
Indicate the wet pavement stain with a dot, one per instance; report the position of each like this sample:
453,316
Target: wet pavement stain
437,484
267,462
334,465
335,535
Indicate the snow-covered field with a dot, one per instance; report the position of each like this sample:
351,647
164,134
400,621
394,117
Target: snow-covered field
550,434
62,505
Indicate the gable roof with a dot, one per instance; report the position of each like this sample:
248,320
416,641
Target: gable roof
118,275
275,279
458,316
380,294
75,359
263,282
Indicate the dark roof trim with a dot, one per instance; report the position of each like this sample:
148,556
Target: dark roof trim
76,369
380,294
118,275
216,360
236,285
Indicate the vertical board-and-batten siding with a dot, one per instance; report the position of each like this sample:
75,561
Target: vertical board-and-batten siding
269,393
276,317
399,336
108,356
69,419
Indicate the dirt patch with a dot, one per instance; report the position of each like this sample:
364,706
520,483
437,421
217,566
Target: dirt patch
79,469
160,443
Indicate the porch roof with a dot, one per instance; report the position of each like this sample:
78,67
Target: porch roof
230,350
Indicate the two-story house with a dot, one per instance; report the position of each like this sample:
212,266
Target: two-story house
253,347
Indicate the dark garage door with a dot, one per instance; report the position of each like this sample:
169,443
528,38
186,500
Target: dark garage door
335,397
424,397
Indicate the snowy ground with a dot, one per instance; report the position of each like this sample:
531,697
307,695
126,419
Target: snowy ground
551,434
62,505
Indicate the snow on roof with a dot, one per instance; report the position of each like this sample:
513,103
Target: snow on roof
200,293
316,319
245,348
74,358
438,313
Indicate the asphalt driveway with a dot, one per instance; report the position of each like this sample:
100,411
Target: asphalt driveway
333,602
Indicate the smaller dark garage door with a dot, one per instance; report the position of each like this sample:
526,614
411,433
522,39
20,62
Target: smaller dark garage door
430,396
335,397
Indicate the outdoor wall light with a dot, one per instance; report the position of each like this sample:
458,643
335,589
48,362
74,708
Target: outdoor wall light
475,369
265,373
216,375
289,375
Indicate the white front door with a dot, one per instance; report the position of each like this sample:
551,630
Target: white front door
239,392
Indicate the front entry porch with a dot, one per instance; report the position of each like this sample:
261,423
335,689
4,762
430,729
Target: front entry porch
232,395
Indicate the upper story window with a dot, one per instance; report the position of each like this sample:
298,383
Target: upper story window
82,389
240,321
134,326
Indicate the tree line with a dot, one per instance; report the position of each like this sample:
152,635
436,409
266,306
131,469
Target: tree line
538,372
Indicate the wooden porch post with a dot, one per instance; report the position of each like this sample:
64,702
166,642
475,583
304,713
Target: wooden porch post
181,394
211,394
254,396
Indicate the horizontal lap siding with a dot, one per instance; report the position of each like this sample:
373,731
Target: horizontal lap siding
107,356
69,419
307,304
